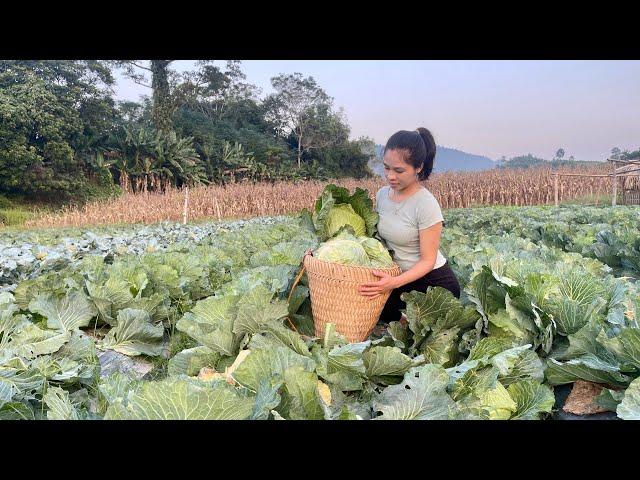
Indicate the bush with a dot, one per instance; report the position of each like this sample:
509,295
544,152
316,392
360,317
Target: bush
13,217
92,191
99,187
5,202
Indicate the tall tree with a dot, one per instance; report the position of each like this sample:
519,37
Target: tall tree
54,114
163,104
214,91
560,153
323,128
615,152
292,108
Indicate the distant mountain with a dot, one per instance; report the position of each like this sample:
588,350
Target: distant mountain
447,159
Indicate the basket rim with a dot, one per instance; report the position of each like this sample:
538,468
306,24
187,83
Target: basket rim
355,267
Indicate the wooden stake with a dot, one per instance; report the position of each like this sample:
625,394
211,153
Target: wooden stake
215,200
186,206
615,186
555,189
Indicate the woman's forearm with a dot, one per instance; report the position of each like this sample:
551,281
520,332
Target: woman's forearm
419,270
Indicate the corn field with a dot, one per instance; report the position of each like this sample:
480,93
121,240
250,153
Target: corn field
245,199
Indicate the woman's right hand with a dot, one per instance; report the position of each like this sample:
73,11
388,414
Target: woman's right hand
309,251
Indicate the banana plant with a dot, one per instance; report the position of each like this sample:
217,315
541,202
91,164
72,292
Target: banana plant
178,156
138,144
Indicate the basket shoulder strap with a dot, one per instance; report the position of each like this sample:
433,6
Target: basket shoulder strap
295,282
293,287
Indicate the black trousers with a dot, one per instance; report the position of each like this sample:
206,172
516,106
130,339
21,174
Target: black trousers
440,277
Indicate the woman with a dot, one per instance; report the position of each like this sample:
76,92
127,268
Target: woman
410,223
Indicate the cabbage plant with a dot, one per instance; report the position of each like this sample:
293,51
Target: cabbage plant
336,208
348,249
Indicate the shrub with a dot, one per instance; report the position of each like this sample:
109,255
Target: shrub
13,217
5,202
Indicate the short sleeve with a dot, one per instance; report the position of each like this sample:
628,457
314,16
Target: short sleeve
378,199
429,212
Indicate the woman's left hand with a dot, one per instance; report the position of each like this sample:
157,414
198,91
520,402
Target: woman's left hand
373,289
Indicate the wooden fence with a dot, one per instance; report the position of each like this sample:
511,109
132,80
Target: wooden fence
631,197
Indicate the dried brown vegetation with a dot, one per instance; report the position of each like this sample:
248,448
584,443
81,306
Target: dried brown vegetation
242,200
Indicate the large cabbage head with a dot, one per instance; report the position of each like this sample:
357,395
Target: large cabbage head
336,208
348,249
345,252
377,253
341,215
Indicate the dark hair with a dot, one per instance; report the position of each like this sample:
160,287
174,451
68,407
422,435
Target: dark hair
419,148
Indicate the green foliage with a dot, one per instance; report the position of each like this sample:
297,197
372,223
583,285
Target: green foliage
348,159
53,115
64,140
10,217
531,316
531,161
629,155
5,203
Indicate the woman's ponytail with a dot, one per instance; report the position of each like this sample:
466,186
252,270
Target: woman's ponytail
427,162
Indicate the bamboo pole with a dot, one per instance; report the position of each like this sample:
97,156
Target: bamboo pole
631,161
615,186
186,206
555,189
619,174
215,201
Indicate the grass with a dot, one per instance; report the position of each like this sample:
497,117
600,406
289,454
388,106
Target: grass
602,199
14,216
18,211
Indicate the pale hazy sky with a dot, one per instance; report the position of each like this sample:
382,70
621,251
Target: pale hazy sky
492,108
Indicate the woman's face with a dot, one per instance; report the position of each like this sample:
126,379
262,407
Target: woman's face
398,173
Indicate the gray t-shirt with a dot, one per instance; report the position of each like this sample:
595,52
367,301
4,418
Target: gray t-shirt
400,230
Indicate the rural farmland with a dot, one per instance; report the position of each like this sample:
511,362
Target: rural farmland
156,257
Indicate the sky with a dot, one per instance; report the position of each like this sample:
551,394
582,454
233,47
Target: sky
492,108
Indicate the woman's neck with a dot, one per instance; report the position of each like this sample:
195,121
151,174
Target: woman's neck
408,190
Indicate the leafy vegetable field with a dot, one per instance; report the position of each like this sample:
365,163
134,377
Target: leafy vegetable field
549,297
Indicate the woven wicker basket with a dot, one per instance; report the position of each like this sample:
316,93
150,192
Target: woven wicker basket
335,298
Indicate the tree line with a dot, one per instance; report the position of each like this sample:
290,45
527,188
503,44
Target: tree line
529,160
64,135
